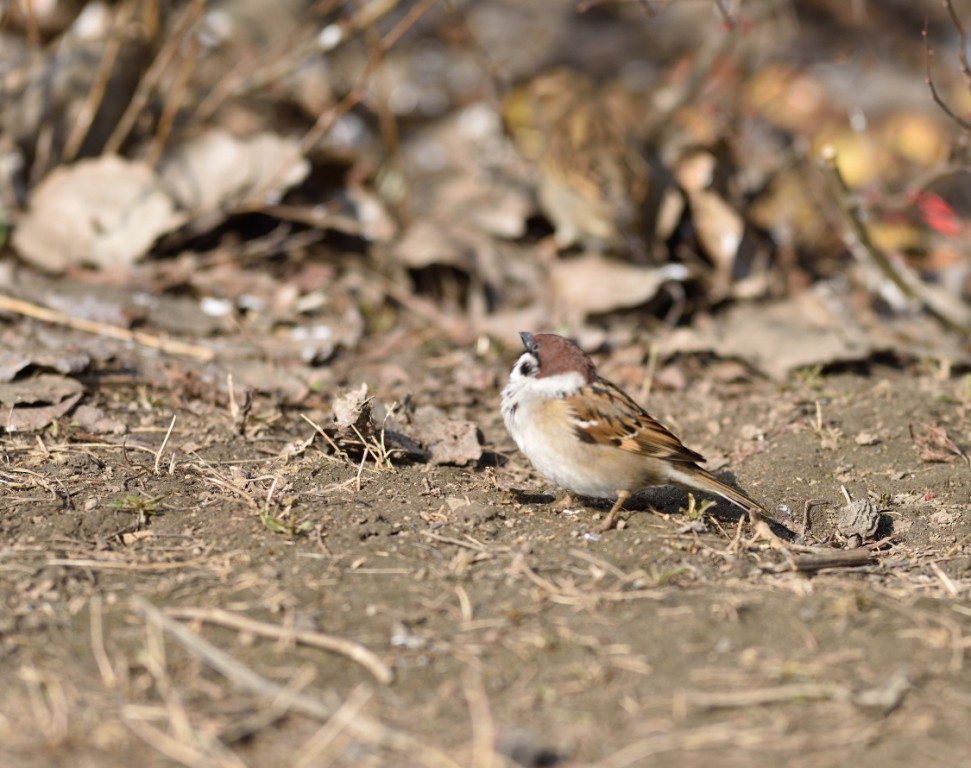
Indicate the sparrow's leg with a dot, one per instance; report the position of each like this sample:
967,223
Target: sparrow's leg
611,520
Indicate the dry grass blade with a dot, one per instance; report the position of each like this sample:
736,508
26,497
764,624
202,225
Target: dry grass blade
184,742
277,709
480,714
120,565
729,735
165,441
312,753
108,676
758,697
241,676
173,747
354,651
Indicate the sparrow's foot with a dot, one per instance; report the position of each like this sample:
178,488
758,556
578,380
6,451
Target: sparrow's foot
563,503
611,519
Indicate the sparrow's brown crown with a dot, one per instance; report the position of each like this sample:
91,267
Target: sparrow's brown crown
558,355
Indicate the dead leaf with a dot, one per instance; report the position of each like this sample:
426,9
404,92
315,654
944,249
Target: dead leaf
446,440
65,361
594,284
284,382
470,189
215,171
934,444
95,420
33,403
351,408
106,212
776,338
426,244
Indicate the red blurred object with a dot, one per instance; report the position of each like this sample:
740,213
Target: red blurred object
938,214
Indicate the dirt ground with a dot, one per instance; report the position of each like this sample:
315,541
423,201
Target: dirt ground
467,613
220,220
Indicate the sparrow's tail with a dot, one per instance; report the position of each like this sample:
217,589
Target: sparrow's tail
700,479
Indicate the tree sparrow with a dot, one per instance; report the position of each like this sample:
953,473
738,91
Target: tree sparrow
589,437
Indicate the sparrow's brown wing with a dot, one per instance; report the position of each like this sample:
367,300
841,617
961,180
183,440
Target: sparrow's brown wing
605,415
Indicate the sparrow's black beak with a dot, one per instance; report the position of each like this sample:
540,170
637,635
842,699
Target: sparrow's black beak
527,338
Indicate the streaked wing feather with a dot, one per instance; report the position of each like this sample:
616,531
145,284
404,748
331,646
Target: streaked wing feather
621,422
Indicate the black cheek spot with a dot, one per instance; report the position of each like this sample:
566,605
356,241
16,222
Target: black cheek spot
513,408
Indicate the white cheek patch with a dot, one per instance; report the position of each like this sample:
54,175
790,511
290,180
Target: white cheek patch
560,385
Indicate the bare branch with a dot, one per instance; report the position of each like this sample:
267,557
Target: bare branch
962,56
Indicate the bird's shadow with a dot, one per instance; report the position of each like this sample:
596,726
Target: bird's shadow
664,500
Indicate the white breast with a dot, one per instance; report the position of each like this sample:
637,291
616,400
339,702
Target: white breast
543,431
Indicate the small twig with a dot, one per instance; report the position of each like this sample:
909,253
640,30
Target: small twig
725,14
176,94
96,93
387,123
327,120
860,239
149,81
288,54
47,315
962,58
962,41
354,651
519,564
837,558
709,55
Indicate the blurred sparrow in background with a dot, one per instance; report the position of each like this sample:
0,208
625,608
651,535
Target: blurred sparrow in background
592,176
589,437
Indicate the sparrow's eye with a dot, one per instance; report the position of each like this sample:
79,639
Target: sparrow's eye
525,368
